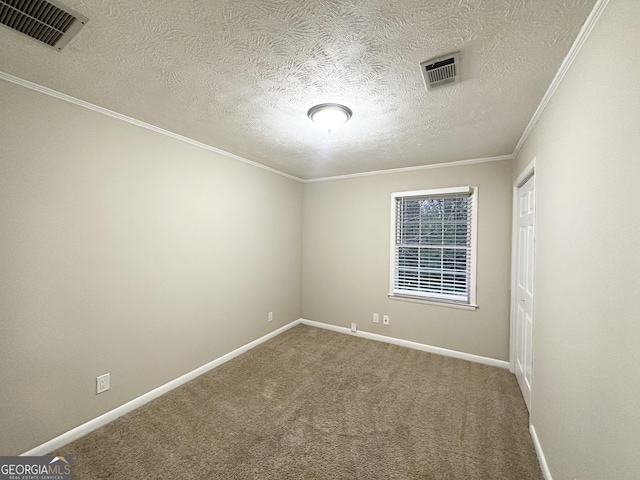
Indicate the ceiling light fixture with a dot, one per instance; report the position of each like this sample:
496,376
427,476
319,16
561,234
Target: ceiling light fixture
329,116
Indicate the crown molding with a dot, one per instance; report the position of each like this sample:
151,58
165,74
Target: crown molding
110,113
586,29
412,169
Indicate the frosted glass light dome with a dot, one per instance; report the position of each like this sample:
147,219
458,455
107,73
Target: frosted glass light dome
329,116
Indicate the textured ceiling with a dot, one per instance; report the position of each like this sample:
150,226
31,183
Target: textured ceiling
240,75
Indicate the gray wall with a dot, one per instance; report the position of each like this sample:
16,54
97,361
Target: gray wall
126,251
346,259
586,383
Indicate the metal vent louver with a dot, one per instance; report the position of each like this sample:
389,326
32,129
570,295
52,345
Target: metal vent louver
47,21
441,71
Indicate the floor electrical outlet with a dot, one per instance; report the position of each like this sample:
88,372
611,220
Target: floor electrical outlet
385,319
354,327
376,318
103,382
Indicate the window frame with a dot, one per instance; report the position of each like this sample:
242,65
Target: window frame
435,299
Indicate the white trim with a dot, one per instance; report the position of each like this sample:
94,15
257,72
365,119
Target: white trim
589,23
394,293
525,175
586,29
512,305
475,220
111,415
460,306
133,121
541,458
409,344
457,163
392,244
433,191
110,113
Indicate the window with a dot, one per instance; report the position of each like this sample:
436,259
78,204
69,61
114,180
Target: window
433,245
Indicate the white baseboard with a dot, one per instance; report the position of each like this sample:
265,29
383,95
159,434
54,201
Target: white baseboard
406,343
541,457
111,415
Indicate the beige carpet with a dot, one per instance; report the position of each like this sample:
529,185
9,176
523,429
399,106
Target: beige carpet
315,404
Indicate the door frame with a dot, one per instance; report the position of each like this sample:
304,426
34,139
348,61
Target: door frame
528,172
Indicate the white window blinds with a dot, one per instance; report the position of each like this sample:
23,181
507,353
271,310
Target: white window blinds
434,246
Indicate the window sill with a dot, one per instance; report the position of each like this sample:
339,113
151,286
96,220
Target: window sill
402,298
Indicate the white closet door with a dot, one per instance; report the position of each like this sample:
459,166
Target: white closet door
524,290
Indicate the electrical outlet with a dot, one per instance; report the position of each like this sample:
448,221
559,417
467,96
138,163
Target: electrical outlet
103,382
376,318
354,327
385,319
270,317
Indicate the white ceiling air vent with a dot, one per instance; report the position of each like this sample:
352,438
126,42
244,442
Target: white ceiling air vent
47,21
441,71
